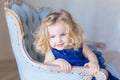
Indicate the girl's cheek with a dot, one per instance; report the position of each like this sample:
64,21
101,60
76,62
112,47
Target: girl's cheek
51,42
68,40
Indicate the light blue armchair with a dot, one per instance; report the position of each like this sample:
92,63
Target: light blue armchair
30,64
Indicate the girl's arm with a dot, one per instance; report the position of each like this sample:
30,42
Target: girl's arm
93,62
88,53
50,59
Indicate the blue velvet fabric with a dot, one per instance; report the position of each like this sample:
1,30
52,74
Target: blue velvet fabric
76,58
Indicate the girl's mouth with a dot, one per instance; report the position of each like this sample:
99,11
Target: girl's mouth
60,45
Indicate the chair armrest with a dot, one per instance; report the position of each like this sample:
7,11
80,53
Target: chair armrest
101,75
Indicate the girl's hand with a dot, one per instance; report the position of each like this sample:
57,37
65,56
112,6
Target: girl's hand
65,66
94,67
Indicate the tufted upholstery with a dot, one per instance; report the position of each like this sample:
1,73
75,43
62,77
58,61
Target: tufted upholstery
44,11
30,19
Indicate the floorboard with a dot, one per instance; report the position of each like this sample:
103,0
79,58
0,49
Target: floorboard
8,70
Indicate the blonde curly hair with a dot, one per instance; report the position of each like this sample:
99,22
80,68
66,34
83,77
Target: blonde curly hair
42,37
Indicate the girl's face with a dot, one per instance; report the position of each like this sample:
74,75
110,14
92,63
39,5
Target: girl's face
59,39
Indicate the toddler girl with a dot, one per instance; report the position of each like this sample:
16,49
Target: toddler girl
62,42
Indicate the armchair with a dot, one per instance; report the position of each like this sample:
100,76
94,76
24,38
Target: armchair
31,67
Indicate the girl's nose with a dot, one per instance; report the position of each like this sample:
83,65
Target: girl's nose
58,39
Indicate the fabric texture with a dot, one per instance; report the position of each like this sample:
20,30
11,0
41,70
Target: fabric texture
75,58
43,12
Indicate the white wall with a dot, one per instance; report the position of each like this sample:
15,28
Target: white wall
107,23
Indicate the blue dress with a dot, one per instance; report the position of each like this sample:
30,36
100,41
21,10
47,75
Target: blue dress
76,58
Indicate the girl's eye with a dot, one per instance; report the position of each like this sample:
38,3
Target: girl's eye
52,36
63,34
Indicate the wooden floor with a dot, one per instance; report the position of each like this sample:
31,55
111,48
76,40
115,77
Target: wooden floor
8,70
